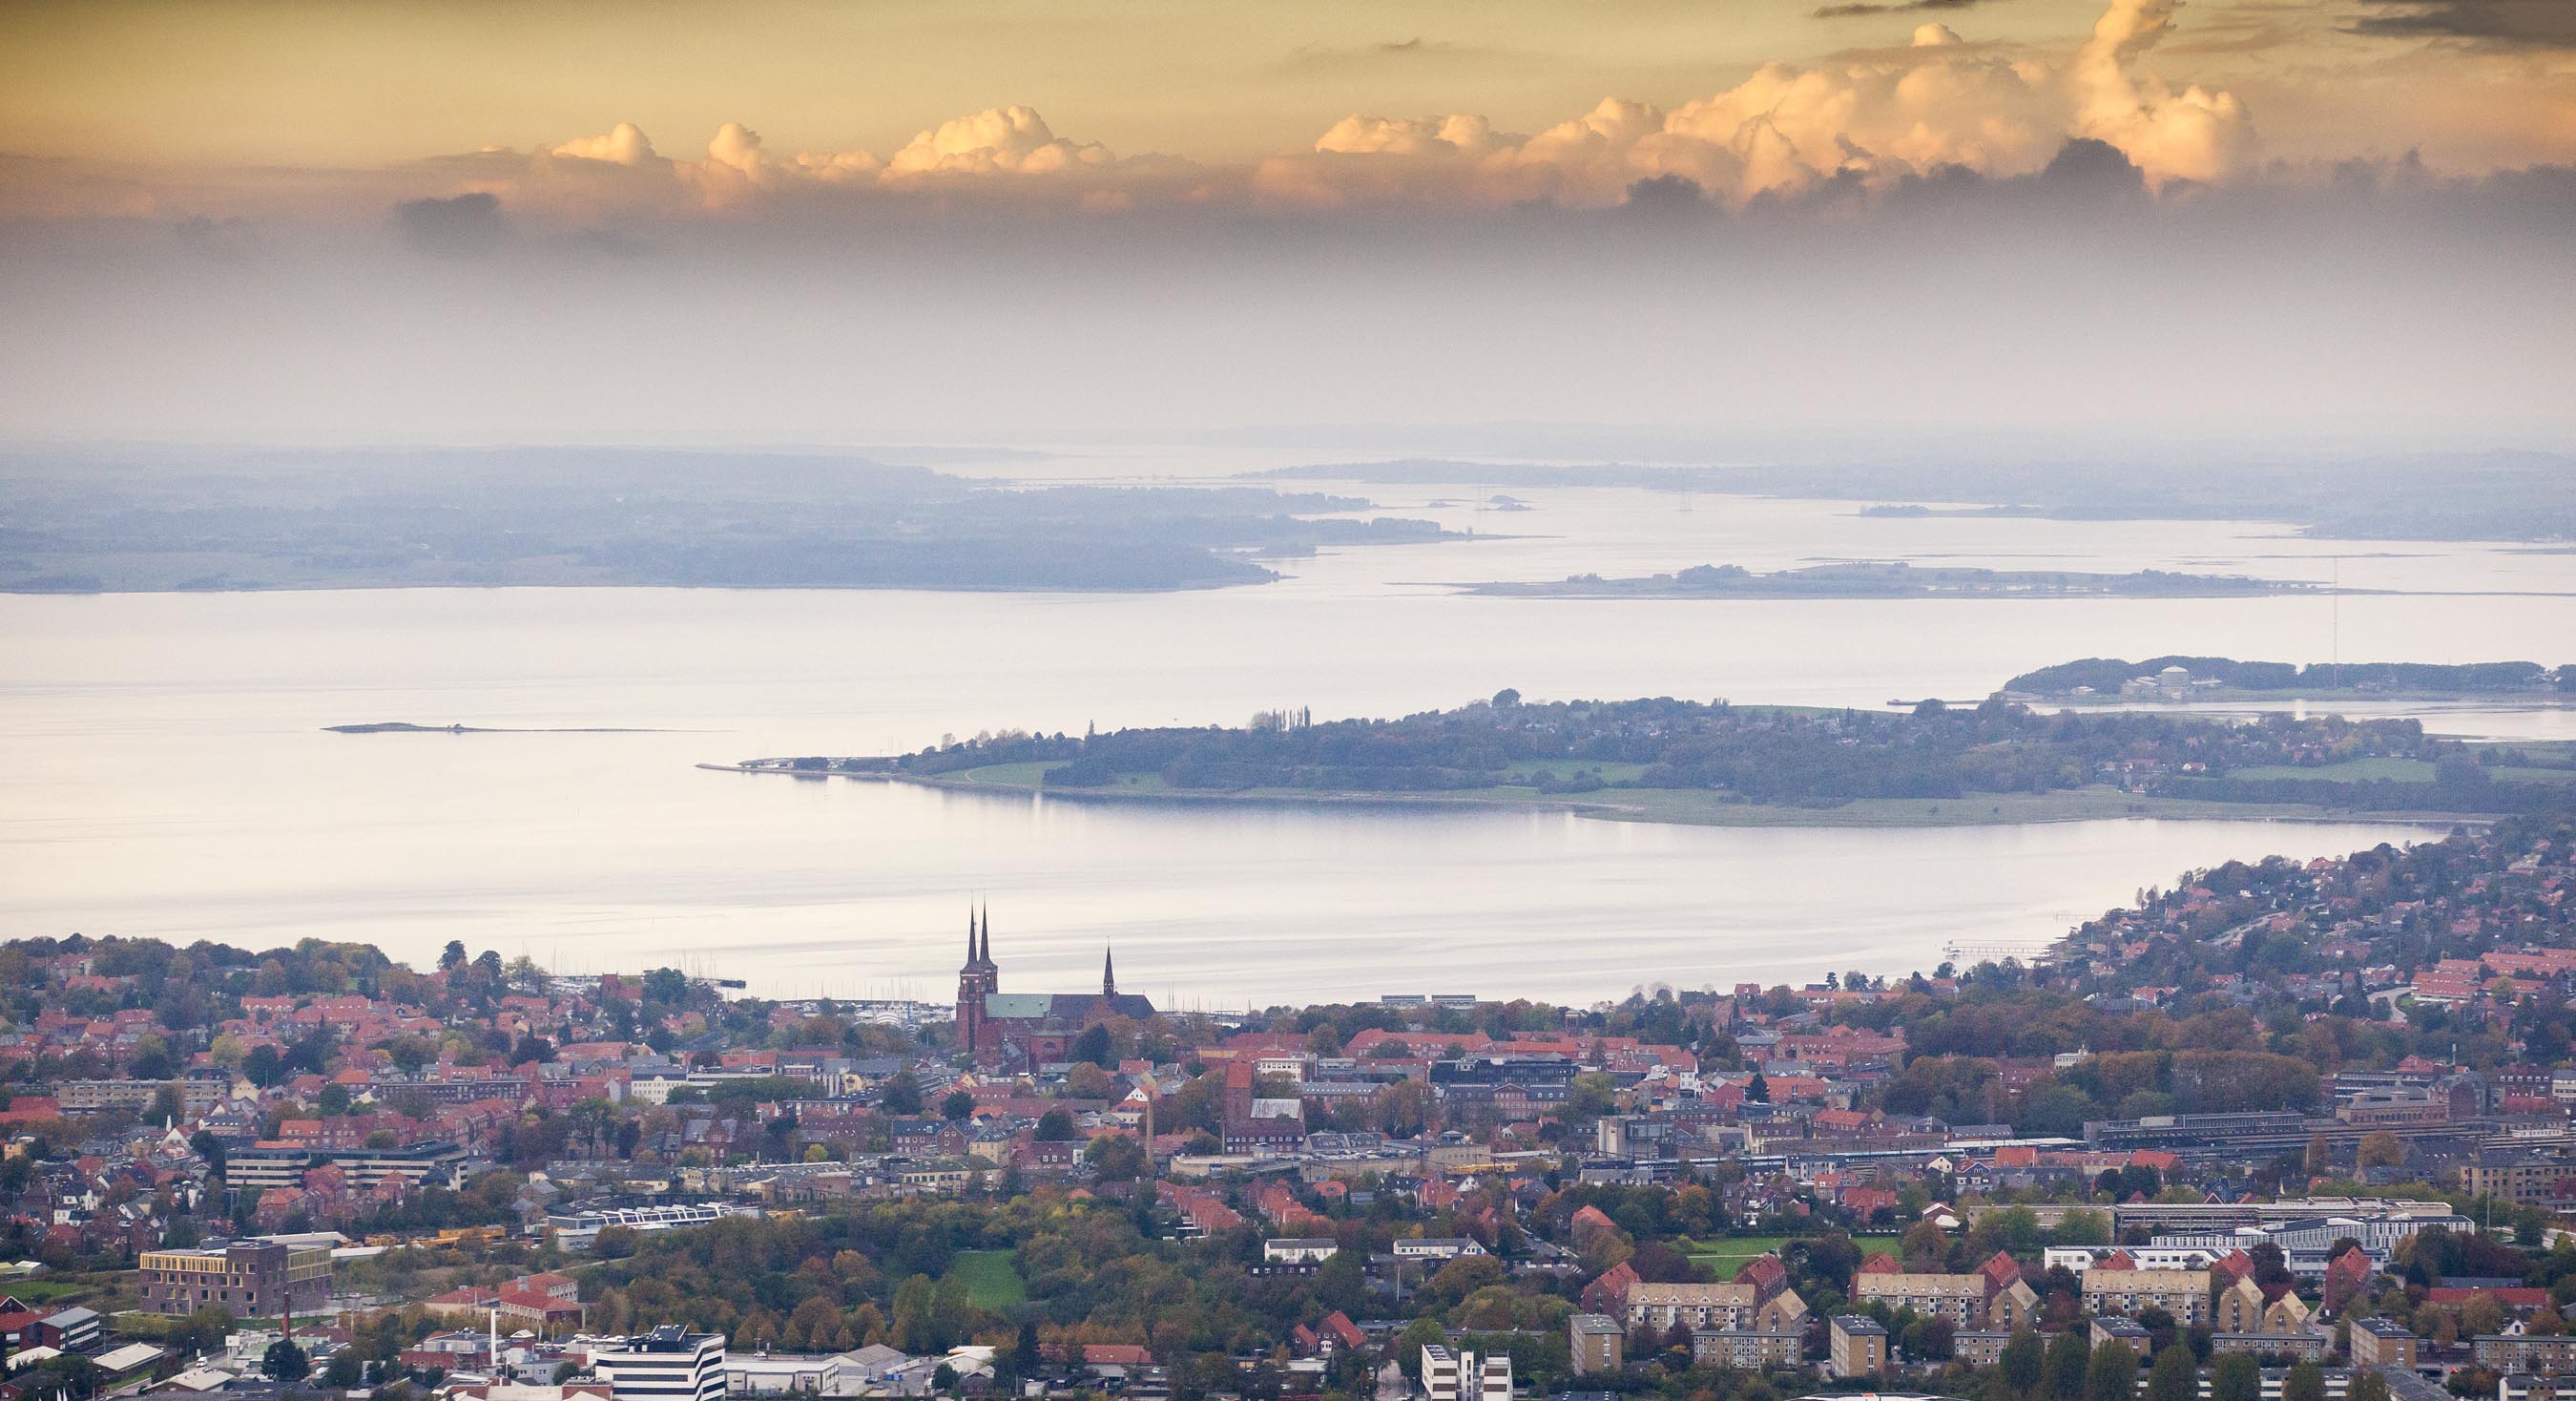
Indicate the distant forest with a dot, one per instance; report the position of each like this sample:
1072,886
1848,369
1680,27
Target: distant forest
2106,674
1781,756
384,519
2500,495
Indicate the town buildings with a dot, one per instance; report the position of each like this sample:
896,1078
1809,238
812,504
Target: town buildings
2126,1293
258,1278
1599,1343
1856,1347
2377,1342
1029,1028
1464,1376
666,1364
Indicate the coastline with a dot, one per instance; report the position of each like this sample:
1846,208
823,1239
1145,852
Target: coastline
1675,807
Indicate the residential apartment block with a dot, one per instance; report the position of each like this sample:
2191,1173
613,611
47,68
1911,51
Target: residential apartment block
249,1278
2128,1293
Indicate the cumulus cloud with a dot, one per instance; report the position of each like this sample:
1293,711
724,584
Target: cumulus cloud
1875,118
625,144
2193,135
998,140
621,175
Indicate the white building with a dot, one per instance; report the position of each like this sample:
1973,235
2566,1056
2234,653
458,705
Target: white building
579,1229
2163,1255
1463,1376
1299,1250
667,1364
1436,1247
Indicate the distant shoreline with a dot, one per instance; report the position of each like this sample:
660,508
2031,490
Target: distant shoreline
1877,580
1669,807
406,727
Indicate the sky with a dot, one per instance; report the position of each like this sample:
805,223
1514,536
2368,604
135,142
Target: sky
288,219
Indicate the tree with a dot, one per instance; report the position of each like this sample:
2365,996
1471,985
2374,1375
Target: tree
285,1363
2023,1362
2066,1360
2305,1382
453,956
2482,1315
1055,1126
2112,1375
205,1145
2367,1385
1115,1158
2175,1375
902,1094
1758,1091
2235,1376
2381,1149
1420,1333
957,1107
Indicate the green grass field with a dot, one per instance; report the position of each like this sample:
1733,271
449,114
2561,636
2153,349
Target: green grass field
1007,775
990,1278
1725,1257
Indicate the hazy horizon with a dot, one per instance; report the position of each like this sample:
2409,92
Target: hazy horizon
2319,222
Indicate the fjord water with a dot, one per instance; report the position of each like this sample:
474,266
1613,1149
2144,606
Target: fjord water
166,772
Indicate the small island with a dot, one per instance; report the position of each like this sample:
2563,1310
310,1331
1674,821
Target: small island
2112,681
405,727
1666,760
1876,579
1915,511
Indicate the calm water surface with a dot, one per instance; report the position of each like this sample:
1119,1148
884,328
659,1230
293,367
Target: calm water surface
163,770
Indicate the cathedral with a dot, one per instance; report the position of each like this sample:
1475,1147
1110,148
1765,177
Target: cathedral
1029,1028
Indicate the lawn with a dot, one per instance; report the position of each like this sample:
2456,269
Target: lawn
1725,1257
991,1279
1008,775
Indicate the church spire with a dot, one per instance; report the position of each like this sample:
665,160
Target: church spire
1108,973
970,936
987,957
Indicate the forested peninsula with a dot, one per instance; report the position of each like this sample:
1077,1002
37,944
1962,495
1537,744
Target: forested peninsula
2225,678
606,516
1713,762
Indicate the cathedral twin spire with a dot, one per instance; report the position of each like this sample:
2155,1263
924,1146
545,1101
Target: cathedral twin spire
979,953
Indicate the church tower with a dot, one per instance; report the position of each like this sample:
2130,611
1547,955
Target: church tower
1108,974
978,979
